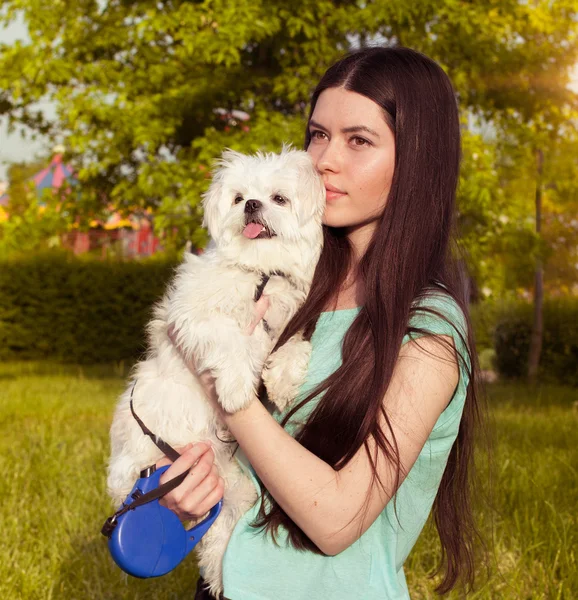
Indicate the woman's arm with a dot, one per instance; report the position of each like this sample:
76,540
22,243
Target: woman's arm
327,504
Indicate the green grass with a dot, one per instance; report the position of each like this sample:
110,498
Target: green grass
534,492
54,424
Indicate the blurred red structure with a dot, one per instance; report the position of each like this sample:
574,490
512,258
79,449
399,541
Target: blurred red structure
130,237
129,243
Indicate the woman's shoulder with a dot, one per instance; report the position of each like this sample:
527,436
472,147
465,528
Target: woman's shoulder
437,305
437,312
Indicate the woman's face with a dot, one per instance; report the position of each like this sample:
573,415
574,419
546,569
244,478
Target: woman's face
354,150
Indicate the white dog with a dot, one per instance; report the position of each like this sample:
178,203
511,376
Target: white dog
264,214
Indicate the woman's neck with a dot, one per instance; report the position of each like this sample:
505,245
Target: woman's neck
349,296
359,237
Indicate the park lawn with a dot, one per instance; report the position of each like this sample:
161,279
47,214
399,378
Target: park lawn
54,422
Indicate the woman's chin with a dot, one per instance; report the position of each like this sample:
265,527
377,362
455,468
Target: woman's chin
334,219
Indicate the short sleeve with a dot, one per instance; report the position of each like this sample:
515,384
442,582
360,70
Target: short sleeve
439,314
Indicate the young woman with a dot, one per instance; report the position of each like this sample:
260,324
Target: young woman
382,431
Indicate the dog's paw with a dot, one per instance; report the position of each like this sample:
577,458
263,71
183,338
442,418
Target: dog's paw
235,392
285,371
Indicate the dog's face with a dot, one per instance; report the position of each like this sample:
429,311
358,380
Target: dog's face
263,199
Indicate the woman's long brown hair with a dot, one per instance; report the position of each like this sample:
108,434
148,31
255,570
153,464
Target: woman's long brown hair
411,253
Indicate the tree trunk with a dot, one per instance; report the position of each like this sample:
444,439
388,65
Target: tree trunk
537,327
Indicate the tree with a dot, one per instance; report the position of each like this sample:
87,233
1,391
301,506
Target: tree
545,176
137,84
521,86
19,185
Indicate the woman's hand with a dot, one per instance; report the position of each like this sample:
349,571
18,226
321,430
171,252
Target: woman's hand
201,489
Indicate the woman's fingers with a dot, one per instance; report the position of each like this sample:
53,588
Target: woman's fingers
186,460
260,309
167,461
200,487
202,497
212,497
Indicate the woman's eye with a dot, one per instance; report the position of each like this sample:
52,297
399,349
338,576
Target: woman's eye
359,141
279,199
238,198
316,134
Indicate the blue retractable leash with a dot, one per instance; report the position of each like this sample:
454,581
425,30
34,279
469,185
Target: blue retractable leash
146,539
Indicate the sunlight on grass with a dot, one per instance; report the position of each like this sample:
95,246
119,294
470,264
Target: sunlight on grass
54,422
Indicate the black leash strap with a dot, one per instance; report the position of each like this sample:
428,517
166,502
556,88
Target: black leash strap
159,492
261,287
165,448
139,500
264,279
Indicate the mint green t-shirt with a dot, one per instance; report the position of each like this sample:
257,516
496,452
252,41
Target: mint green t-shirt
255,568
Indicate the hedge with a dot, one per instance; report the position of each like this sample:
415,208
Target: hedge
82,310
559,356
505,327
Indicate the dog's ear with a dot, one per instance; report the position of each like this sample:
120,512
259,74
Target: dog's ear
213,203
211,207
310,187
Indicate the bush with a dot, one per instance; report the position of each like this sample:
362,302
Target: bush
83,310
487,358
484,317
58,306
559,357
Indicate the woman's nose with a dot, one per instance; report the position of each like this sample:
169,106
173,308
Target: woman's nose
328,159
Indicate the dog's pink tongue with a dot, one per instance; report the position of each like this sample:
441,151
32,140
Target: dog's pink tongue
252,230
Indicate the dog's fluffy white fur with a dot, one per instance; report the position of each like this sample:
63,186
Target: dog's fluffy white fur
211,303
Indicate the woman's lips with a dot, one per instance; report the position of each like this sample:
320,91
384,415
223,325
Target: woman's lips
332,193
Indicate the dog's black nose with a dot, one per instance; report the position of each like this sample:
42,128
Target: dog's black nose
252,206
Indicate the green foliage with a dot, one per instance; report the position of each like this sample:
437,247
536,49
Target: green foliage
33,227
137,85
520,246
560,341
487,358
53,305
484,316
35,223
480,205
19,186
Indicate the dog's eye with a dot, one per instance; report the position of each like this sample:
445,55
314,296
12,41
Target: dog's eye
279,200
238,198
